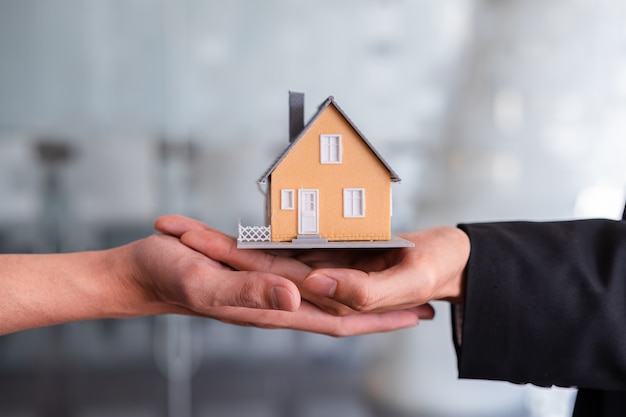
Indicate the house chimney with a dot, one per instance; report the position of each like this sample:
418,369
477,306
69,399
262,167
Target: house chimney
296,114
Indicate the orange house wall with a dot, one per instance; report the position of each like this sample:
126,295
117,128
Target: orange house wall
360,168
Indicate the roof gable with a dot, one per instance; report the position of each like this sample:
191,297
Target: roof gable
328,102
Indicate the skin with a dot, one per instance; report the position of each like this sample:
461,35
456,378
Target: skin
343,282
162,275
368,281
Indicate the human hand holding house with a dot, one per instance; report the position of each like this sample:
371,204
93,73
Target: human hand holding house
330,188
163,274
333,319
386,280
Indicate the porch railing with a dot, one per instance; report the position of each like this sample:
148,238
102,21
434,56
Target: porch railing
254,233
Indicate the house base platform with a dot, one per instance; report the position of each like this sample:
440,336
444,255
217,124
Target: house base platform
394,242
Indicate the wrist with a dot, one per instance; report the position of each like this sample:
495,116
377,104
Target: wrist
128,284
459,244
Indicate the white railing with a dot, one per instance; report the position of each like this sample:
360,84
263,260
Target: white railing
254,233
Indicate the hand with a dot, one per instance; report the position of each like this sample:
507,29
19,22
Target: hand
375,281
178,276
222,249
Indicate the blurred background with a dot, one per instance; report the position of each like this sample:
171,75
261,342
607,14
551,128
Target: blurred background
114,112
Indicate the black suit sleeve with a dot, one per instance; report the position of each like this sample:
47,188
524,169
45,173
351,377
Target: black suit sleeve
546,304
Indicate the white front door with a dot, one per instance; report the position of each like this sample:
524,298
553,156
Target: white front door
307,212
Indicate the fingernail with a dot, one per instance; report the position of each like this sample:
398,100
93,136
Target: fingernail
320,285
281,299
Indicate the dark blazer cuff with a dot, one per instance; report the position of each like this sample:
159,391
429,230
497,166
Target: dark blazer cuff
456,313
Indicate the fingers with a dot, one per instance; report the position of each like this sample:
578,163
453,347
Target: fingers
432,270
203,287
391,289
172,273
243,289
175,225
380,282
224,249
311,319
250,290
346,286
335,258
425,312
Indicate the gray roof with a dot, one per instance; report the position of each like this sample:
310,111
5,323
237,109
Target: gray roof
330,100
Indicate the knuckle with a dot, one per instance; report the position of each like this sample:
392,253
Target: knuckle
362,299
248,294
188,296
189,290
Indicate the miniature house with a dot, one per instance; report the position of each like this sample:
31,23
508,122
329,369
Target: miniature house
330,184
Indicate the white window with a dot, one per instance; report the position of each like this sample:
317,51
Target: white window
353,202
330,149
286,200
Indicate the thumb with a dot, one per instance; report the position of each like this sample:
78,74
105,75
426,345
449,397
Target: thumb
285,297
253,289
395,288
350,287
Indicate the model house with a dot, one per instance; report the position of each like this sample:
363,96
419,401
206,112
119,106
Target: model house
330,184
